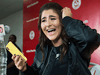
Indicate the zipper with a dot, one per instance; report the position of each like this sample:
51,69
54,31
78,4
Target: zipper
48,61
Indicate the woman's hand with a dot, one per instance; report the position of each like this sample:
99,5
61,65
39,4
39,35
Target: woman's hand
66,12
19,62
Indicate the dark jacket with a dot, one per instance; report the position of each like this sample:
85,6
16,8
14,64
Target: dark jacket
77,58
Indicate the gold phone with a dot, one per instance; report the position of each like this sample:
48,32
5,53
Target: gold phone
14,50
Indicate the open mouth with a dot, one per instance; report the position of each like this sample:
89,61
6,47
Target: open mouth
51,30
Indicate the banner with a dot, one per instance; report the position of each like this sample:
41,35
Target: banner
85,10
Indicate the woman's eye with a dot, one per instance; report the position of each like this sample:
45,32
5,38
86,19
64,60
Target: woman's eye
43,20
53,18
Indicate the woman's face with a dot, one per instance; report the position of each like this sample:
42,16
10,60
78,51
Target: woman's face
50,24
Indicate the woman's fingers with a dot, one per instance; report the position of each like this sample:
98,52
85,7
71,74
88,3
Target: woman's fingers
21,65
17,59
66,12
13,57
19,62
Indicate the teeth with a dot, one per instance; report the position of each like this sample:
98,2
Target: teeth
51,30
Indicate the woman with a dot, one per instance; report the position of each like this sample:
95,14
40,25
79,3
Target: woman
65,44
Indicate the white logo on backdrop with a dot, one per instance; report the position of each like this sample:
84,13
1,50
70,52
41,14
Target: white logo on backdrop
29,51
32,4
86,21
32,19
76,4
31,35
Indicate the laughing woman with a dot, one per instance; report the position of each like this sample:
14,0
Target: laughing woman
65,44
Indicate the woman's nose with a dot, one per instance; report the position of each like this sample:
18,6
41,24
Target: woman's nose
48,23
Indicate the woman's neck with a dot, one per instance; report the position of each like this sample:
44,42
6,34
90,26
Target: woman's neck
57,43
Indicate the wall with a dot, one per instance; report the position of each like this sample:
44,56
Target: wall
15,21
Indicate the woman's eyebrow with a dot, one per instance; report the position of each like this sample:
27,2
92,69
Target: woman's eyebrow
49,16
43,17
52,16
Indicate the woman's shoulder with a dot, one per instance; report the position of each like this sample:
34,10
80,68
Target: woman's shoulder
38,48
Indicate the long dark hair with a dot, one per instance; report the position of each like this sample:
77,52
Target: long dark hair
43,40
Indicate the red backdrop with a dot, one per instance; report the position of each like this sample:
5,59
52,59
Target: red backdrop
85,10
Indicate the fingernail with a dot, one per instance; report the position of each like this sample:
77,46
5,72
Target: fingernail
14,54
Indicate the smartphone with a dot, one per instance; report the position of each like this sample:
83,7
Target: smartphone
14,50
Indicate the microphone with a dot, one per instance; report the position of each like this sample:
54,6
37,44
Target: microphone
7,29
